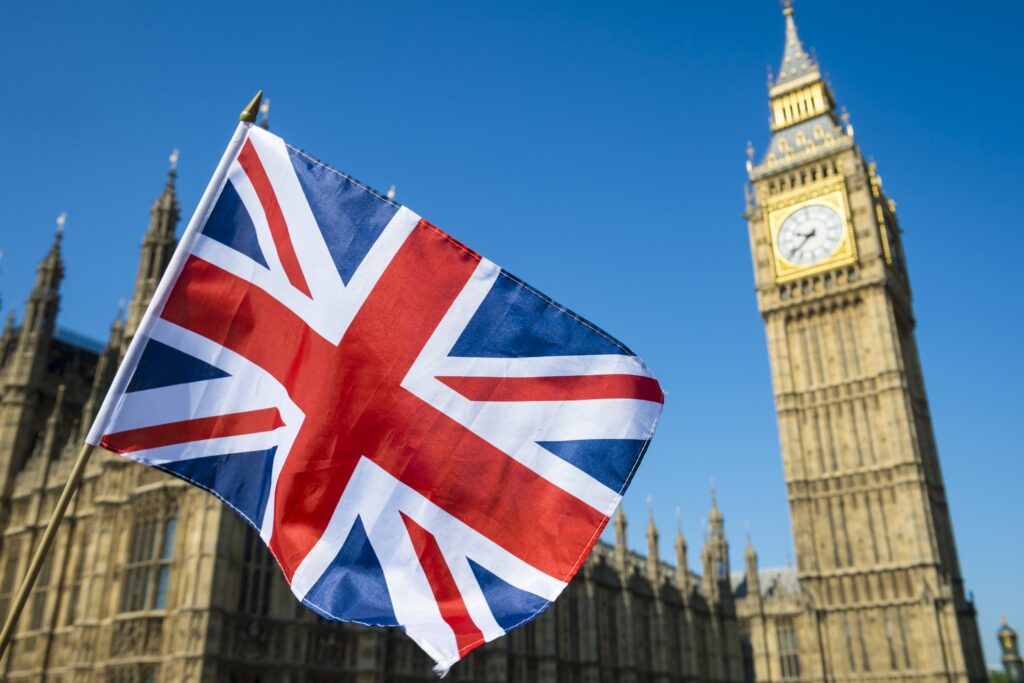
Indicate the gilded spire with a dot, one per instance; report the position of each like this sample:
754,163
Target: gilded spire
796,61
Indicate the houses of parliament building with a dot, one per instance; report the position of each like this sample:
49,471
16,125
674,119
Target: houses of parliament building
151,580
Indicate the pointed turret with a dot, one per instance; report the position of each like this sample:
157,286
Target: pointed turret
682,563
621,547
157,247
753,578
24,385
715,553
41,308
796,62
803,110
653,561
106,366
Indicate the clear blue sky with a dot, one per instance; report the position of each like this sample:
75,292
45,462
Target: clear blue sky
595,149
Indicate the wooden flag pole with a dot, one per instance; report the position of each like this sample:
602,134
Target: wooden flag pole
44,545
247,118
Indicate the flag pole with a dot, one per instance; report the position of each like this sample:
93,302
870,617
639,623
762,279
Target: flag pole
246,118
74,479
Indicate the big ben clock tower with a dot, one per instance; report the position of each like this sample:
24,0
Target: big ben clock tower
878,572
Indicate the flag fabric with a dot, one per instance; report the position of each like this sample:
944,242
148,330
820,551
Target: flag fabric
422,439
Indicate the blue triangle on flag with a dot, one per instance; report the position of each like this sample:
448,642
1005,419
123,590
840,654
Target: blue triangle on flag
353,587
241,479
610,461
230,224
350,216
164,366
510,606
514,321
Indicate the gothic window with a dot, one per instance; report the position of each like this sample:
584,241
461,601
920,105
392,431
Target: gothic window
256,575
789,653
39,594
148,569
10,577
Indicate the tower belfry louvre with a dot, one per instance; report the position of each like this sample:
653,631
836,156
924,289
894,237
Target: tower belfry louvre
880,594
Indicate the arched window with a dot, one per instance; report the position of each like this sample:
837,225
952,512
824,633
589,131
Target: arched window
148,569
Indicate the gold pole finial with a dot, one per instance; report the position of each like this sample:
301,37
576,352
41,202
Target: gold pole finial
174,159
391,192
248,114
61,219
787,7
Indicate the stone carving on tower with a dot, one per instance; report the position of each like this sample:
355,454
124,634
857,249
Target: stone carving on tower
879,578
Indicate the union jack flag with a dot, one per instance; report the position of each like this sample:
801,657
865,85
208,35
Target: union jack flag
421,439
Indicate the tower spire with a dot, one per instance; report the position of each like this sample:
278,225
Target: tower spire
41,309
621,548
653,560
803,110
682,564
796,61
157,247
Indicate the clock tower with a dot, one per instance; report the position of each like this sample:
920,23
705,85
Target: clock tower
877,567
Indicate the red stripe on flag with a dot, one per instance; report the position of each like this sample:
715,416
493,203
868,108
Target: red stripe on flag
250,162
354,406
234,424
572,388
444,588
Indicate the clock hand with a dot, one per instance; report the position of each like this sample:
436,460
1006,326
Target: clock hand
797,248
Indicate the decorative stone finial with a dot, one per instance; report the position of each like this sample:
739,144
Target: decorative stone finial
265,110
174,159
61,219
391,192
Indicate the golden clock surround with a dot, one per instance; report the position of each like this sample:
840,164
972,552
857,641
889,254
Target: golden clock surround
775,214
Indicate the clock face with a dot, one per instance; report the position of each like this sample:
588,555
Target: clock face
810,234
